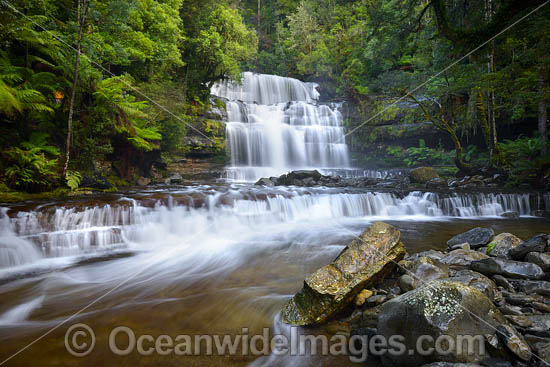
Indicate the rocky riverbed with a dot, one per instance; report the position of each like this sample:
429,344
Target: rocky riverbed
494,286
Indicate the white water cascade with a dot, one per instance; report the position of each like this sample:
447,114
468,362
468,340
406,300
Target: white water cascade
134,224
275,125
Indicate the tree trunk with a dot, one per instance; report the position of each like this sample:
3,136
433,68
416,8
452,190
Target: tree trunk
81,15
442,124
543,114
491,100
259,18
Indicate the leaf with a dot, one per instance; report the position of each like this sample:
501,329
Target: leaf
73,179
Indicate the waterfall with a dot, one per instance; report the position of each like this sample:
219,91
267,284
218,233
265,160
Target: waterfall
135,224
14,251
275,125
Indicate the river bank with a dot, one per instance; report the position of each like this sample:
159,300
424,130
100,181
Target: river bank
374,290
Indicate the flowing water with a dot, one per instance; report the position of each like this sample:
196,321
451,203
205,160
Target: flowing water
214,259
201,260
275,125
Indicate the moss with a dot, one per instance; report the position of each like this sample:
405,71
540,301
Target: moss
116,181
9,196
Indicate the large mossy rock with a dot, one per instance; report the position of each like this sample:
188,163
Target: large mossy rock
443,308
422,175
364,263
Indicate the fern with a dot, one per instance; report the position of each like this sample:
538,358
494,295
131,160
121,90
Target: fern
21,88
132,120
73,179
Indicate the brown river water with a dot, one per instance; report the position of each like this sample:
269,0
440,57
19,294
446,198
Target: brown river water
203,260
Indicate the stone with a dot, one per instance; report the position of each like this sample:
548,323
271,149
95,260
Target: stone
511,310
406,283
520,299
510,215
535,244
364,263
542,307
264,182
422,175
503,282
540,287
540,259
432,254
540,213
462,246
476,280
295,178
362,297
520,321
462,259
507,268
495,362
424,270
440,308
476,237
437,183
369,317
501,245
143,181
375,300
175,179
544,354
514,341
447,364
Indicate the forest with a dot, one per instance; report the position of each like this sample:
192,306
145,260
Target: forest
99,93
265,183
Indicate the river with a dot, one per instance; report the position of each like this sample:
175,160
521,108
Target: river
213,258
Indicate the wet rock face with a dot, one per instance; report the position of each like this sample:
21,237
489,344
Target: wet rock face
422,175
441,308
476,237
363,263
508,268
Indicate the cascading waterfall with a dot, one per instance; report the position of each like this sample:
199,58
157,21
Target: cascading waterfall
129,223
14,250
274,125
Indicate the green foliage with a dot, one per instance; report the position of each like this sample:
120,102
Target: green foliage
421,155
217,43
21,89
131,120
522,159
31,166
73,179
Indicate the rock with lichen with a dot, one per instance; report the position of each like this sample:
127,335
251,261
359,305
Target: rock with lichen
364,263
444,308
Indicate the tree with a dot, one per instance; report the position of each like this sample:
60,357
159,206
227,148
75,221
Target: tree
216,44
81,11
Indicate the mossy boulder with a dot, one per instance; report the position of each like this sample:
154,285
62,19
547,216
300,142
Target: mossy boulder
422,175
365,262
450,309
